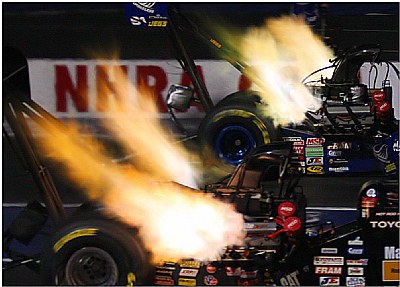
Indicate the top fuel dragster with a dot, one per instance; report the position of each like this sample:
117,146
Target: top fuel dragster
91,248
355,130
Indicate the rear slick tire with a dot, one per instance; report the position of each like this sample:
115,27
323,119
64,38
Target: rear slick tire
95,252
234,128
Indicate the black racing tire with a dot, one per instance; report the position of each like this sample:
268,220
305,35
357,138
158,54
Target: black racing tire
93,250
235,127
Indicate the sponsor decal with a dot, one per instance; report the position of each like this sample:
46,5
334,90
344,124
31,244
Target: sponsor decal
188,272
326,260
357,271
164,272
387,214
390,167
358,262
72,235
385,224
298,143
355,281
339,169
356,241
315,141
371,192
162,277
145,6
329,250
232,271
247,282
292,139
368,202
248,274
210,280
335,153
290,279
164,280
355,251
334,270
315,169
186,282
381,153
298,149
190,264
396,146
337,161
329,281
390,270
211,268
314,151
392,252
315,160
286,209
340,146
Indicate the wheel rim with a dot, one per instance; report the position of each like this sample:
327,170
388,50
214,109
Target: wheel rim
91,266
233,143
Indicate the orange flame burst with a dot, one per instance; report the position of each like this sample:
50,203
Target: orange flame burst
281,54
174,220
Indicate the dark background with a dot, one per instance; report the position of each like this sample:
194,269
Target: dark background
69,30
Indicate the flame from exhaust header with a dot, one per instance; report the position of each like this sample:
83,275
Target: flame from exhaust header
282,53
174,220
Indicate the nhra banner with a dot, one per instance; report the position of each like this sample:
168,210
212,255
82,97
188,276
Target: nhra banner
71,88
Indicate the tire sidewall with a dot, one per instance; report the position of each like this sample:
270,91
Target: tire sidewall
120,244
243,114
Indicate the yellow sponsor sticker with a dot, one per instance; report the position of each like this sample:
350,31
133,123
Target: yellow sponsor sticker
390,167
190,264
390,270
186,282
74,234
315,169
157,24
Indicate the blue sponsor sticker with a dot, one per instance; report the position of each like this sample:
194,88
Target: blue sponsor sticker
210,280
355,251
147,14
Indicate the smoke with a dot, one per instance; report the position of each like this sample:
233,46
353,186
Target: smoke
281,54
174,220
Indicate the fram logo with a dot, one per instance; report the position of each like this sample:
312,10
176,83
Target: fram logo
328,270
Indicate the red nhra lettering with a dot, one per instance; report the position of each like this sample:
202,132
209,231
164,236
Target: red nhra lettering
154,78
244,83
78,91
106,88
